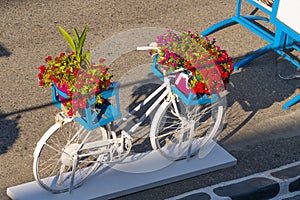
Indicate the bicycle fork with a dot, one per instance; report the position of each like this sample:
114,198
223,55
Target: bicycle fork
187,131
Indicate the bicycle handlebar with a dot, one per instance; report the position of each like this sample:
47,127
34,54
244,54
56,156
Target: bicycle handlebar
145,48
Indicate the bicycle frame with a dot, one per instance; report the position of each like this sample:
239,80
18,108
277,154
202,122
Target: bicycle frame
167,95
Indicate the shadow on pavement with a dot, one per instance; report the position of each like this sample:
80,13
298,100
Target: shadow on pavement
3,51
9,132
258,86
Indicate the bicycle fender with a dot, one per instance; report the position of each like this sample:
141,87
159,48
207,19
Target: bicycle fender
43,139
154,121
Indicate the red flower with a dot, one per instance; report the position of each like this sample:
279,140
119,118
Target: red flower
41,83
55,80
224,54
95,91
69,93
71,112
99,82
107,82
224,75
42,68
48,58
64,102
102,60
62,54
199,88
76,72
231,66
40,75
57,60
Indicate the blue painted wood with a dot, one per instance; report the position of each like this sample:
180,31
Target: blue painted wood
291,102
219,26
92,119
252,56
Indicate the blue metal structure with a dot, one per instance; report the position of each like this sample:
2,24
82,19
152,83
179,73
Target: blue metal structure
284,38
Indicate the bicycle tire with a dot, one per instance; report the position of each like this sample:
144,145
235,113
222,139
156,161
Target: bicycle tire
177,138
53,165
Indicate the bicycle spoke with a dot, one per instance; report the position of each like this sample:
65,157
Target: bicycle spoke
55,157
176,132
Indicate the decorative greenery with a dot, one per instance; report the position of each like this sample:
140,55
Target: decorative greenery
208,66
75,72
77,44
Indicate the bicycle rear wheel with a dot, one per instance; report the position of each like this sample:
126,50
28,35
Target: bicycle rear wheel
58,166
181,134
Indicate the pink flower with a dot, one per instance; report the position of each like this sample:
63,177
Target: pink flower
82,104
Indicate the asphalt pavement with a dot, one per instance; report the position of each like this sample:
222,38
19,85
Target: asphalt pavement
258,132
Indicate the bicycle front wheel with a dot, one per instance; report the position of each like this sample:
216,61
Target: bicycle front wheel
179,131
59,164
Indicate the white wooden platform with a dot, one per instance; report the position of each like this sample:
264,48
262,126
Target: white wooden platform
111,183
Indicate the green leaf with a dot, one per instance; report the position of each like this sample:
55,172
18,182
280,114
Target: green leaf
76,35
82,39
68,38
88,57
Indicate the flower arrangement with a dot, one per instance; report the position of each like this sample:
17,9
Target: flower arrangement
91,80
208,66
75,75
61,70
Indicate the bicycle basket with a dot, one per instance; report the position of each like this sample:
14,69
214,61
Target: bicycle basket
94,116
179,85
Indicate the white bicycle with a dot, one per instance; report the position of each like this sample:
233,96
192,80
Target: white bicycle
74,147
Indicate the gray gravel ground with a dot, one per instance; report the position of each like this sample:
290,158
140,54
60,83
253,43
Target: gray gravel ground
258,132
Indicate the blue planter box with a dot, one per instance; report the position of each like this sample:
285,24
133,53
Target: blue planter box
188,99
91,118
